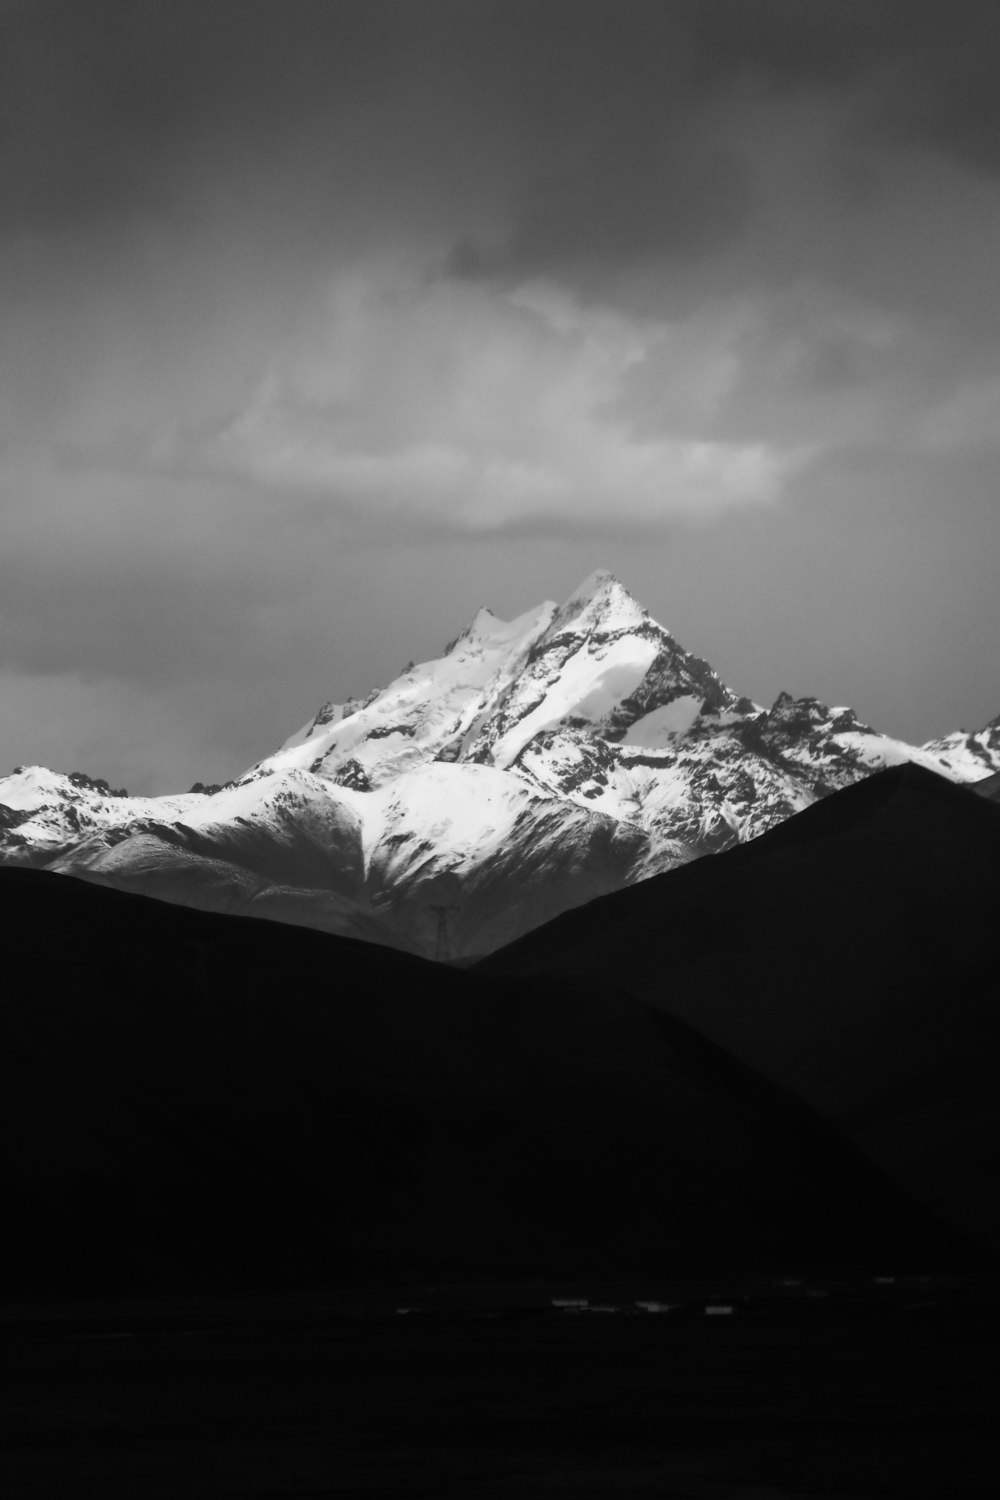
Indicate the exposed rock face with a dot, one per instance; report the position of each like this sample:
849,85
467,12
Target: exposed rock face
538,763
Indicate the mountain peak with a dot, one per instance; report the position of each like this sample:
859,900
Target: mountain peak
600,601
581,742
600,581
488,629
598,587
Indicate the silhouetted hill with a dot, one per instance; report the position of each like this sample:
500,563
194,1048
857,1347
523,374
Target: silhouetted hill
851,955
196,1099
989,786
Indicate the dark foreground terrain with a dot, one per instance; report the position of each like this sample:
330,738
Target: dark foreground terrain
193,1101
851,956
776,1069
863,1391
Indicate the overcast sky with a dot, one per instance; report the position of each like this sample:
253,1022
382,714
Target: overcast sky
323,322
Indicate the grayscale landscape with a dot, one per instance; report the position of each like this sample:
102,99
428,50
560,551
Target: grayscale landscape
499,749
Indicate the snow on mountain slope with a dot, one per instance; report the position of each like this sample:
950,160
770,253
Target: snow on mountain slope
967,757
53,812
537,763
465,856
411,721
451,859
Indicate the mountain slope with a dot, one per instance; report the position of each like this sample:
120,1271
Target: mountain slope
535,765
193,1099
850,955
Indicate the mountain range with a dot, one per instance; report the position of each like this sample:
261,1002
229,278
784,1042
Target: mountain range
537,764
645,1061
778,1060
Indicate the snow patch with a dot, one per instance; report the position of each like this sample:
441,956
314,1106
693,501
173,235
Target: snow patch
588,687
663,724
409,722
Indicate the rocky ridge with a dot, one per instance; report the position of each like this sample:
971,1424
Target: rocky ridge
537,763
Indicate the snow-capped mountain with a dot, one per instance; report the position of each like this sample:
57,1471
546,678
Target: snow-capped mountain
538,763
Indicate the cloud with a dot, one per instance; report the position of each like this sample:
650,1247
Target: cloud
968,419
482,409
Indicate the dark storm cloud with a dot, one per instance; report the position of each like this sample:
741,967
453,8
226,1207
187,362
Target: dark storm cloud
934,65
102,101
622,202
597,110
624,156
